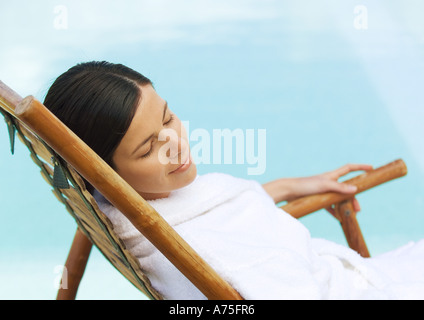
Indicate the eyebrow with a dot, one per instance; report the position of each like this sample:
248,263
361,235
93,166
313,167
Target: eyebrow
165,107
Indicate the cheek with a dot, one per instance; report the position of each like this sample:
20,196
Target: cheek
144,174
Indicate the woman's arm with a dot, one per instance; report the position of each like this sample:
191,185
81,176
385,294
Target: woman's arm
287,189
282,189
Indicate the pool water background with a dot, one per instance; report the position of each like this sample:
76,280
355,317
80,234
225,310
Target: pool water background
326,93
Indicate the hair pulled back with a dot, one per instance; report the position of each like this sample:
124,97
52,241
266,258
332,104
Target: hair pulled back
97,101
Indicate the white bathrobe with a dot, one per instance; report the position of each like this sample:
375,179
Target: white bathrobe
262,251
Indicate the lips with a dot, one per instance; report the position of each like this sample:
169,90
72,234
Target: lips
184,166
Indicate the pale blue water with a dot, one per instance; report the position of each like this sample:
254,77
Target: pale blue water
326,93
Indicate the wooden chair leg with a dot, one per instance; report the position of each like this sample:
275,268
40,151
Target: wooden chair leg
347,217
75,266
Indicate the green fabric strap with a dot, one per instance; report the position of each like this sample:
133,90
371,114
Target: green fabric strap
12,130
59,177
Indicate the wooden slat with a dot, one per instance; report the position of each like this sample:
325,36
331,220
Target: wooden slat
144,218
8,98
122,259
75,266
346,214
39,148
303,206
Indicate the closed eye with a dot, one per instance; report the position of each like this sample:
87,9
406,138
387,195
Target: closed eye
148,153
171,118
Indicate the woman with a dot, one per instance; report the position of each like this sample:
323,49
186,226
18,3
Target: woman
233,223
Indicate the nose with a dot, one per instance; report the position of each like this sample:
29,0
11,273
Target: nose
175,147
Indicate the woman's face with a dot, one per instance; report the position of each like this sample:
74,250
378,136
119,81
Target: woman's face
154,155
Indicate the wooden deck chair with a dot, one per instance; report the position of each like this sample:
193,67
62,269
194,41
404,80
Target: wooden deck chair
63,159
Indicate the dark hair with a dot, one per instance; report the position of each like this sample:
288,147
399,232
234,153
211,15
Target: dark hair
97,101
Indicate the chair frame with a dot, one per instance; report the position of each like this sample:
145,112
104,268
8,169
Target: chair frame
50,140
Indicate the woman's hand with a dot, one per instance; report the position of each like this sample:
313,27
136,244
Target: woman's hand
328,182
293,188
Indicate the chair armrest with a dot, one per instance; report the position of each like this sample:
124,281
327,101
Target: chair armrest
305,205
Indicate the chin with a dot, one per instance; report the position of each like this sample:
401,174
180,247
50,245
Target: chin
188,177
191,174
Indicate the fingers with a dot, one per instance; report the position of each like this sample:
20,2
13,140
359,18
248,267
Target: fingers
340,187
336,174
356,205
350,168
